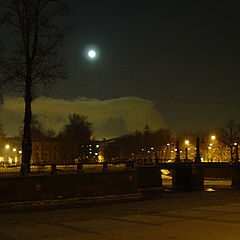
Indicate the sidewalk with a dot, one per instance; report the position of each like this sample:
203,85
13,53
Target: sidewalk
182,216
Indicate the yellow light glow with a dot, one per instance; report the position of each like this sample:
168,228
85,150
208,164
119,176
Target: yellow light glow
210,190
7,146
14,149
213,137
186,142
100,158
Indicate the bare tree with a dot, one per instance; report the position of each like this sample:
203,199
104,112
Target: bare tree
230,134
78,129
37,130
36,57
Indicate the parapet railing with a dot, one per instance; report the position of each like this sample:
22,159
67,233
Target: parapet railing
102,166
71,167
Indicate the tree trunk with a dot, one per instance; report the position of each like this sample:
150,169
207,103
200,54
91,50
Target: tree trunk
27,142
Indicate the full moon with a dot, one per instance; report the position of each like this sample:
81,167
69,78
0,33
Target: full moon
91,53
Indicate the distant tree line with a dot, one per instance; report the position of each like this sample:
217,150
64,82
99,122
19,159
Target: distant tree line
145,144
220,144
160,144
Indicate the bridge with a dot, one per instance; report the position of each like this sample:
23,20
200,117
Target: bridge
186,176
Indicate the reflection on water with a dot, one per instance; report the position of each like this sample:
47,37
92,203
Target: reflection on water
210,184
209,190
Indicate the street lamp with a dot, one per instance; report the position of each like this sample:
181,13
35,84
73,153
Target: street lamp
186,149
237,156
213,137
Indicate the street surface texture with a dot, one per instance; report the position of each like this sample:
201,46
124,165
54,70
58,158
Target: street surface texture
207,215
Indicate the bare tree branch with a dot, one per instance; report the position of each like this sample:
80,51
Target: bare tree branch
35,60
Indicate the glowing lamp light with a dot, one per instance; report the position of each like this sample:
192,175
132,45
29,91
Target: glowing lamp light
213,137
186,142
235,144
7,146
14,149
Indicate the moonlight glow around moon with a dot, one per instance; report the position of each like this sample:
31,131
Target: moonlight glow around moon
92,54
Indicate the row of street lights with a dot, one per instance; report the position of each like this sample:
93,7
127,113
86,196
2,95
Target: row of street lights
11,154
198,158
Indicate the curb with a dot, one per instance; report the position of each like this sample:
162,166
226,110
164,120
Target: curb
67,203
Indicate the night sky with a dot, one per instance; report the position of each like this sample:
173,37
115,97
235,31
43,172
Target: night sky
181,55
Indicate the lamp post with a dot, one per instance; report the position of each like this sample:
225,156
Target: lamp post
177,159
186,149
237,156
198,157
7,147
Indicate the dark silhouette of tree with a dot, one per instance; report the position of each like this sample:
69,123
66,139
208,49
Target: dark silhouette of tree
229,134
78,129
35,60
138,145
37,130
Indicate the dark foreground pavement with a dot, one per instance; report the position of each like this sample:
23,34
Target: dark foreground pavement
196,215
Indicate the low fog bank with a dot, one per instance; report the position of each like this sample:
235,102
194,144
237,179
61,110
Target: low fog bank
110,118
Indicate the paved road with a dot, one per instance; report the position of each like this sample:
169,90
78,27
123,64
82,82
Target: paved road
196,215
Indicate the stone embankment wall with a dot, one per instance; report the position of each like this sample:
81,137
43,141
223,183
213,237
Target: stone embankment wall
55,186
